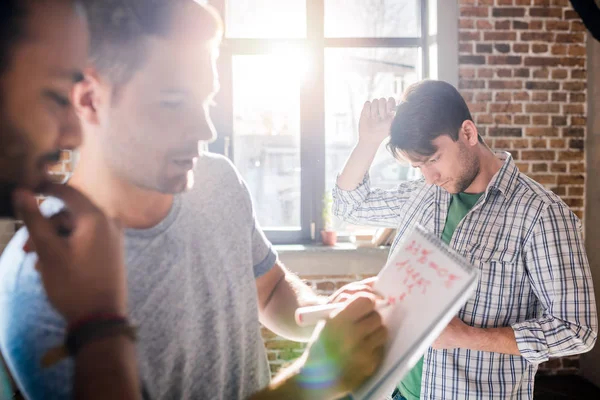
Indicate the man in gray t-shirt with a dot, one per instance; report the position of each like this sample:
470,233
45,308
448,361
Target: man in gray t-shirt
191,284
201,273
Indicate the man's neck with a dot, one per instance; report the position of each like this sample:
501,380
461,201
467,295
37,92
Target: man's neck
133,206
489,165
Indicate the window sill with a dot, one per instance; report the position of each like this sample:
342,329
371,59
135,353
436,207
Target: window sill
341,259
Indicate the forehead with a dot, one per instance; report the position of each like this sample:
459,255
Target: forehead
57,37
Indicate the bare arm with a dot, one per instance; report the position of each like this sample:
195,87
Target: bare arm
460,335
106,369
280,293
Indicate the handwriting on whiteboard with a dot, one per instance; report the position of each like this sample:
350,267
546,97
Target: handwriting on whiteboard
416,259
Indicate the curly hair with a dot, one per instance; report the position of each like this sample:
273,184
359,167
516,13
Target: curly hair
118,29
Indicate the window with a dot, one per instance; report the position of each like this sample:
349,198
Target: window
294,76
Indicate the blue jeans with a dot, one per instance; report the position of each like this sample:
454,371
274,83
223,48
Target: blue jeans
397,396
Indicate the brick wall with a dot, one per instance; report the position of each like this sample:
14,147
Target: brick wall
523,72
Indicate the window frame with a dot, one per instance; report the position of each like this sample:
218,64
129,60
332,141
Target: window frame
312,100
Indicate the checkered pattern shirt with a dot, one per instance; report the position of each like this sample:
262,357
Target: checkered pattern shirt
534,277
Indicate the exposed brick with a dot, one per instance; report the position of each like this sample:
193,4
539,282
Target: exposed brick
577,168
571,179
540,119
521,96
522,119
485,73
500,35
502,25
577,97
523,167
542,61
559,74
545,12
578,74
540,96
505,108
571,14
539,143
474,11
540,155
572,61
502,96
465,48
476,60
469,36
559,97
558,167
577,26
545,179
573,109
557,25
542,85
484,119
508,12
522,72
575,190
483,96
561,191
466,23
573,132
576,144
578,121
537,36
559,121
574,86
470,84
570,156
477,107
483,24
504,73
483,48
517,25
569,38
504,2
521,48
502,119
504,60
577,50
539,48
571,202
522,2
539,168
542,108
559,49
466,72
558,143
502,144
519,143
505,132
505,84
502,47
540,131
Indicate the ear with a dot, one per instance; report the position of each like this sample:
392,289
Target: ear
88,97
469,130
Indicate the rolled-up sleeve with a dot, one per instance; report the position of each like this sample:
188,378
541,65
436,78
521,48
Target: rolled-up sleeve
376,207
558,270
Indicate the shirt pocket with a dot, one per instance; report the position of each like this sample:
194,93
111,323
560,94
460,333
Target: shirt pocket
500,292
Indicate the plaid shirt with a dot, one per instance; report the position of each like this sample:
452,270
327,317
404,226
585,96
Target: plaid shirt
534,277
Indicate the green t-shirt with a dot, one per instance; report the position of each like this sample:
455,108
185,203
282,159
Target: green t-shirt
460,204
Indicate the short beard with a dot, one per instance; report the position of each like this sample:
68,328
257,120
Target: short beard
472,169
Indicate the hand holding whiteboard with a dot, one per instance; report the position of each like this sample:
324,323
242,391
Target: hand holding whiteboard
427,283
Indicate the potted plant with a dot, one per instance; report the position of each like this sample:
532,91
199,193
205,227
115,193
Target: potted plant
328,235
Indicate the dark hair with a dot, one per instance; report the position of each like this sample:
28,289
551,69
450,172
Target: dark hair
118,29
12,29
428,110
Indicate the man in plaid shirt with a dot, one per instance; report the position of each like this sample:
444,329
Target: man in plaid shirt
534,300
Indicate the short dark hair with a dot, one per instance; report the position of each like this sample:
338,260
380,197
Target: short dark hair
13,14
118,29
428,110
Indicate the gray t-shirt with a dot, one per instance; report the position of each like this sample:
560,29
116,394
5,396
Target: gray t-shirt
191,290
